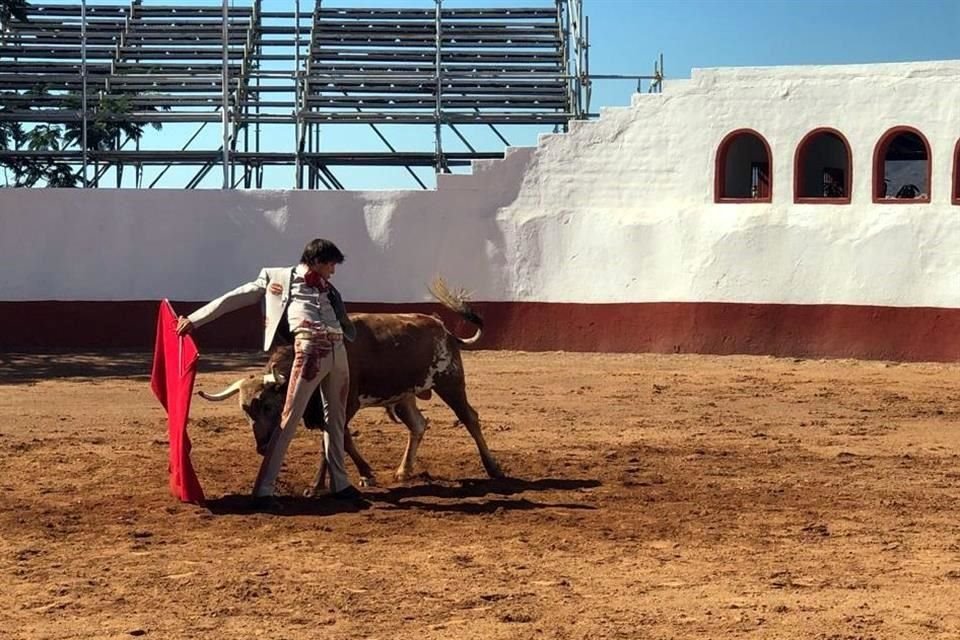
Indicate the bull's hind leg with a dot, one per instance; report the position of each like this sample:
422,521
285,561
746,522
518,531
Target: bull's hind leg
410,415
450,388
367,477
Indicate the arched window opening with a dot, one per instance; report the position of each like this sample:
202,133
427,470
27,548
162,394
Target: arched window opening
823,168
743,168
901,171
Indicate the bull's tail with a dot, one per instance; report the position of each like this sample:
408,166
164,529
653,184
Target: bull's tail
459,303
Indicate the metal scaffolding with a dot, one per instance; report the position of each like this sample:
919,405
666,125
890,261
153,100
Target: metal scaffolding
245,66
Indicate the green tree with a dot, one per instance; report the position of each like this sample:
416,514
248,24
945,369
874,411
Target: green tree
10,131
107,128
28,172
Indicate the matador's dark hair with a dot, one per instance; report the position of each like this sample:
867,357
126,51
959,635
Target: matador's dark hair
321,250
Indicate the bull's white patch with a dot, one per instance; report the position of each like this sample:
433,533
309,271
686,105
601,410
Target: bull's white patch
443,362
442,359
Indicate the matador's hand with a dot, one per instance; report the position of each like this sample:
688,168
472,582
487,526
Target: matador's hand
184,326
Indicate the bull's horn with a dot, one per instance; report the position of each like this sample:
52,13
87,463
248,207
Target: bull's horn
471,340
273,377
230,391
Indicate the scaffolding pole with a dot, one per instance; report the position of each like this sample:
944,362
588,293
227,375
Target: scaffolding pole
297,122
83,85
438,109
498,67
225,87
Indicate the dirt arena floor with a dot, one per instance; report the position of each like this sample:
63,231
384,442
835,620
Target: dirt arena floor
650,497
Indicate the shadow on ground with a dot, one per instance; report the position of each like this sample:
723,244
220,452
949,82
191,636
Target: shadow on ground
244,504
29,368
461,497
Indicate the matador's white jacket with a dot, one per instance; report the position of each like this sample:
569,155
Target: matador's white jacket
275,307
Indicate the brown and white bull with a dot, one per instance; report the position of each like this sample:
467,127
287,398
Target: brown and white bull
394,358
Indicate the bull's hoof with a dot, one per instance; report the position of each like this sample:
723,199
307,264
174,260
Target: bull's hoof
493,470
368,481
402,475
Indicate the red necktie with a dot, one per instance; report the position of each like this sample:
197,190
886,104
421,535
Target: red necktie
315,280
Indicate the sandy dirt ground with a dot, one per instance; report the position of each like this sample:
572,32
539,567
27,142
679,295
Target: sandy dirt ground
649,497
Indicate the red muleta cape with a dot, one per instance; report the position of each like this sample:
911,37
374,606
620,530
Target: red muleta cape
174,370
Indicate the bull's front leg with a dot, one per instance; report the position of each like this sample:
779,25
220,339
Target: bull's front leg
367,477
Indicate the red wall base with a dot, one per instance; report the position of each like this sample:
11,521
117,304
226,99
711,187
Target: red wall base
887,333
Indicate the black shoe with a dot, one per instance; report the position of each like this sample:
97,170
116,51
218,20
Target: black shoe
351,496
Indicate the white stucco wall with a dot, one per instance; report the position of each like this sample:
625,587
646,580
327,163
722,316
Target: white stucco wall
618,210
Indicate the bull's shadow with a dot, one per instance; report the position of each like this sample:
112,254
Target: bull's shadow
480,487
459,497
462,496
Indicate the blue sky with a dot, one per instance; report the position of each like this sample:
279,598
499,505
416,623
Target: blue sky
720,33
628,35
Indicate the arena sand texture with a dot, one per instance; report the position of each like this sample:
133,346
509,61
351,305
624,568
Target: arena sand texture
650,496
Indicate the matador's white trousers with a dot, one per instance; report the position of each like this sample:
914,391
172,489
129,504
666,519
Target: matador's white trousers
319,360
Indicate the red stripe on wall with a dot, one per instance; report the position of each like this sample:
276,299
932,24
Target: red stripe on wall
885,333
